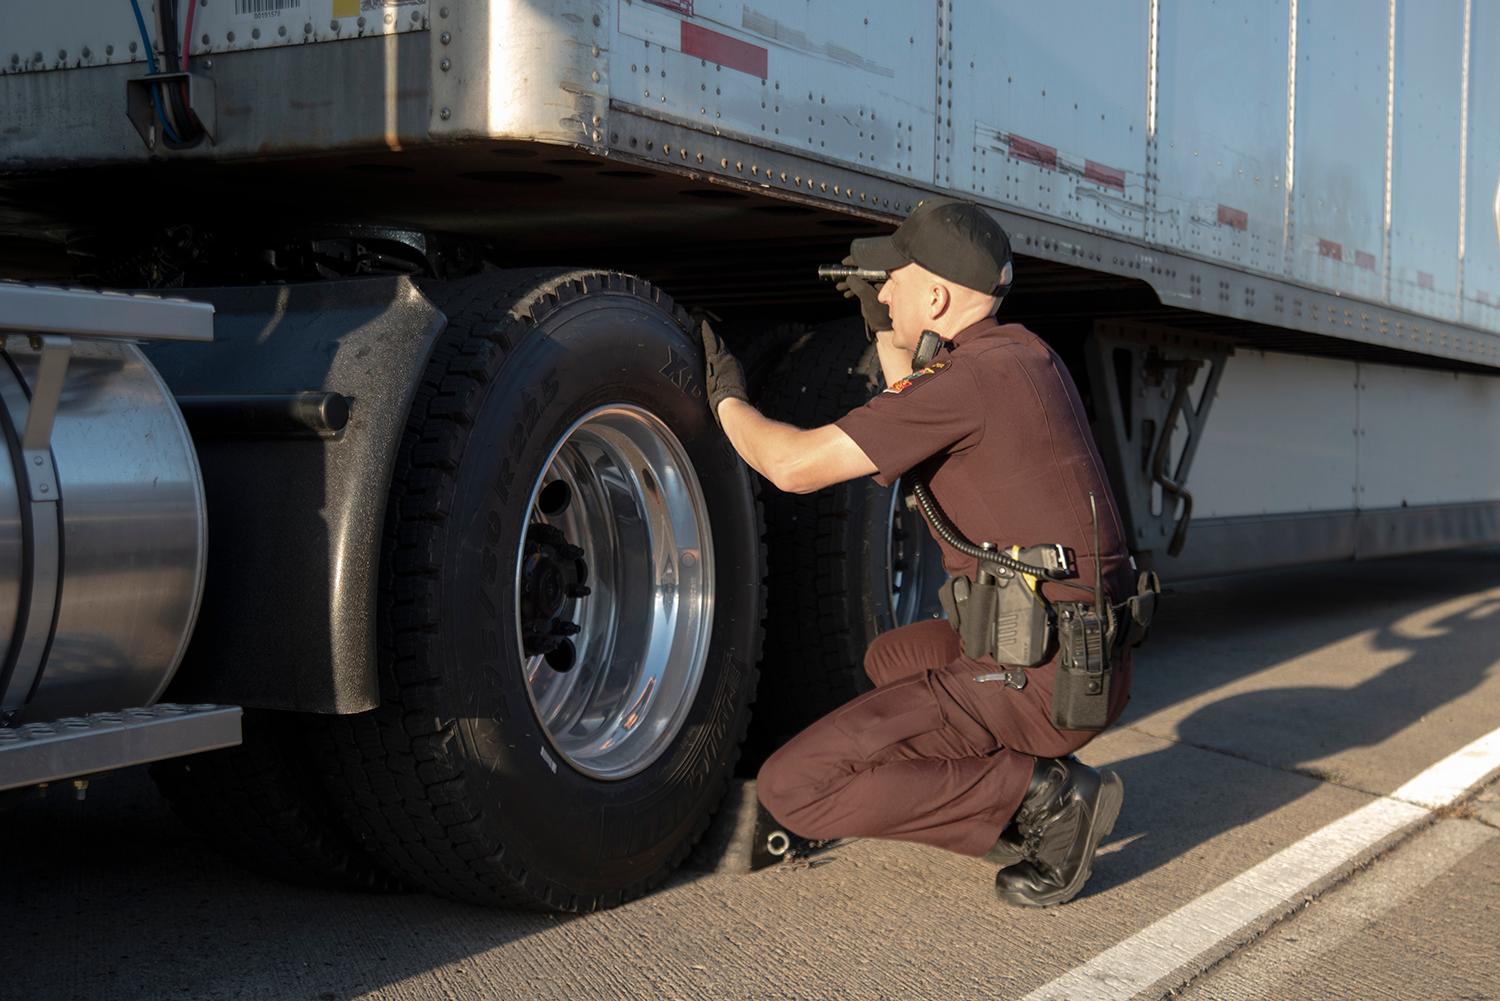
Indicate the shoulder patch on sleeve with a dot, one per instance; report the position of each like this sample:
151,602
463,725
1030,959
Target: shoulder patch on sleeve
902,385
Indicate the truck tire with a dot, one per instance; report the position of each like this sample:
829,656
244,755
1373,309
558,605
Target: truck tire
844,564
559,466
261,807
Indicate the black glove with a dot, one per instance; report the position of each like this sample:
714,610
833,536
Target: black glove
725,378
877,317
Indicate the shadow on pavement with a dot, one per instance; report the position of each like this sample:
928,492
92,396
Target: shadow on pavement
1431,615
112,897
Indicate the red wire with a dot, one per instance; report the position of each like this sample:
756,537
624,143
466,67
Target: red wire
187,34
182,57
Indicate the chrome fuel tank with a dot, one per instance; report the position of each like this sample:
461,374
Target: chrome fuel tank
101,564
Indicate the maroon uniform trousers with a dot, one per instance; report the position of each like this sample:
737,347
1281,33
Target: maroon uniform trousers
932,755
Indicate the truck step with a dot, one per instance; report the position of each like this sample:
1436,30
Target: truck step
81,745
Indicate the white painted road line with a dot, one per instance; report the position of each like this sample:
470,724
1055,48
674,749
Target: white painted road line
1202,930
1273,967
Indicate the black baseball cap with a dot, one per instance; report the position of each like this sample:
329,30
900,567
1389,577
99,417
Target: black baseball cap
953,239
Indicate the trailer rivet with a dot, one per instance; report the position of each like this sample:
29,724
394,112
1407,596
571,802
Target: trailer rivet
442,12
445,38
43,488
36,460
445,114
361,21
109,50
333,25
594,76
390,19
446,65
598,120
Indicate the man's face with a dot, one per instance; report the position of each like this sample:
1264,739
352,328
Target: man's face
909,298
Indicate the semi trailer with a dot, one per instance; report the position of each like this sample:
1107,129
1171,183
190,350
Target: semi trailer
351,343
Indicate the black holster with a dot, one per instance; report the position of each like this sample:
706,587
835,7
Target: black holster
1000,615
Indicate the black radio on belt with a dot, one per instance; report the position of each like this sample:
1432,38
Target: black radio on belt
1003,614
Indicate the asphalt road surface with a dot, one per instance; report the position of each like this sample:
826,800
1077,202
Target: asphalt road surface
1310,812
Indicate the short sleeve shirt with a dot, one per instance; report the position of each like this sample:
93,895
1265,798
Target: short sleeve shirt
996,423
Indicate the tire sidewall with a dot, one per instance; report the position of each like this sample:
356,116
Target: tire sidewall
585,834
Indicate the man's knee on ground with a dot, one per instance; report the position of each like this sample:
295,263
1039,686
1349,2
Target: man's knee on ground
774,787
787,785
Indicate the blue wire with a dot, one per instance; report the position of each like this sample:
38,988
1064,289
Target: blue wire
140,22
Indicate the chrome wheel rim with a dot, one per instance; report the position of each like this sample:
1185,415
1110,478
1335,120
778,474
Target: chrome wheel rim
620,489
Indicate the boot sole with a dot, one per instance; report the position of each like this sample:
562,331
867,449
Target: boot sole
1101,823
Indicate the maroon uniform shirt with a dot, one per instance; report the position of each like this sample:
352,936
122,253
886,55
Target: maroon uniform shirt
1013,461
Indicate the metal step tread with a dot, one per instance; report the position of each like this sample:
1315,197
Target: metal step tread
80,745
77,312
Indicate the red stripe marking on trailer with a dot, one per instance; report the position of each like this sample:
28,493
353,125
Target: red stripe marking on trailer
1101,174
1364,260
1327,248
1233,218
683,7
1424,280
1025,149
726,51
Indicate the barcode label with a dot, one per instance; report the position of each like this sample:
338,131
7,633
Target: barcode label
265,6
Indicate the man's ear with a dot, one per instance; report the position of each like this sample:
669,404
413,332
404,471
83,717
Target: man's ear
939,302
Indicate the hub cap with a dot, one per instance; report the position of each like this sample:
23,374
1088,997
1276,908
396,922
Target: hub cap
614,588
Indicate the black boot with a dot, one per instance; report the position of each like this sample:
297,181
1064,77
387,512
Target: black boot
1009,849
1069,808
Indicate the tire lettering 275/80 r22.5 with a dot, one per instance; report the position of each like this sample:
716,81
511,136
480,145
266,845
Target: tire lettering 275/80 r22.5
570,609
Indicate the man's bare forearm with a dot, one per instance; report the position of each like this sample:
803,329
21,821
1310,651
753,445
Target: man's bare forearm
794,459
758,439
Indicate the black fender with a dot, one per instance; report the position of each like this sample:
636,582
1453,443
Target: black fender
295,520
